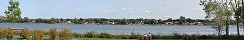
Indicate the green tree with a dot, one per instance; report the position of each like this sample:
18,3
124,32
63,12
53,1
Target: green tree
219,10
52,20
26,19
239,15
13,12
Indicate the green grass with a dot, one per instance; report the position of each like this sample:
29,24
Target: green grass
103,39
119,39
18,38
135,39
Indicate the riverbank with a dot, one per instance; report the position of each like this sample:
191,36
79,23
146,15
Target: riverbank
64,33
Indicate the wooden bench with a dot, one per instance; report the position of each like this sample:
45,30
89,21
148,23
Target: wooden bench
145,38
17,30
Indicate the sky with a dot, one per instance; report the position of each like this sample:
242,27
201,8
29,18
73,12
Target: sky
151,9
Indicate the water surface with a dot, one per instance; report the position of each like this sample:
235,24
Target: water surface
123,29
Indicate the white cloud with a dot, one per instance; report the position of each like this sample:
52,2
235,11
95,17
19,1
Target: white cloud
57,12
147,11
126,8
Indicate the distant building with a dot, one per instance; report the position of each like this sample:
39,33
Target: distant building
2,17
169,23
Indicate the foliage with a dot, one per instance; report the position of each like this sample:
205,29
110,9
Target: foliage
38,34
25,33
53,34
133,35
91,34
219,11
107,21
78,35
13,12
8,33
1,33
104,35
65,34
123,36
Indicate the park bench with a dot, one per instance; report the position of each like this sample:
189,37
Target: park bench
17,30
145,38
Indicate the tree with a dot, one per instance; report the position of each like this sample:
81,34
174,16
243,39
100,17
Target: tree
239,16
219,10
52,20
182,20
13,12
26,19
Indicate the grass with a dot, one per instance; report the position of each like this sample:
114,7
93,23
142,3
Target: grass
18,38
136,39
103,39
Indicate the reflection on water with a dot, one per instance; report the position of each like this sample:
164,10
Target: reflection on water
123,29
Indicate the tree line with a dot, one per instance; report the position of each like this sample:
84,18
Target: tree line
181,20
221,12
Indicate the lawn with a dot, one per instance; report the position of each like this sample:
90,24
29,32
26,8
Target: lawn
17,38
135,39
119,39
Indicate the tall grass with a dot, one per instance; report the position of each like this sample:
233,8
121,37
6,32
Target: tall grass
53,34
8,33
65,34
25,33
38,34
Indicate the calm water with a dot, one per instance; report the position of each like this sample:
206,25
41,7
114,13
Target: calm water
124,29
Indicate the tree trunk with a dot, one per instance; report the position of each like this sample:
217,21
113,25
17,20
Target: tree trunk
237,25
219,30
226,28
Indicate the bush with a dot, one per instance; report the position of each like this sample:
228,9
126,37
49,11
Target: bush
122,36
38,34
77,35
133,35
8,33
91,34
25,33
65,34
53,34
1,33
104,35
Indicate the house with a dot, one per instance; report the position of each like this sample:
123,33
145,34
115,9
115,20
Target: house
169,23
2,17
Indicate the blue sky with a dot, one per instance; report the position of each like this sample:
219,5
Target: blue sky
157,9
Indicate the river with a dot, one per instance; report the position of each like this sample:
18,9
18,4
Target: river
123,29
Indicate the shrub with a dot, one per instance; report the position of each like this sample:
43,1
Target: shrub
8,33
25,33
77,35
1,33
133,35
65,34
104,35
38,34
91,34
53,34
123,36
